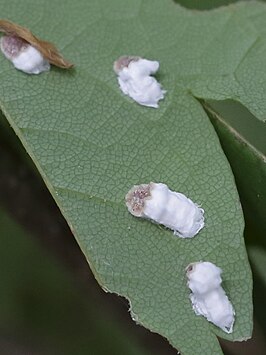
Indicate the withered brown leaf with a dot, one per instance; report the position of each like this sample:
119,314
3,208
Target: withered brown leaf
47,49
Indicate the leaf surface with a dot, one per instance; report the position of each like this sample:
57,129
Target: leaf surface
243,141
91,144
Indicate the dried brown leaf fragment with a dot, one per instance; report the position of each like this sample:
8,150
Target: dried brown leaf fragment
47,49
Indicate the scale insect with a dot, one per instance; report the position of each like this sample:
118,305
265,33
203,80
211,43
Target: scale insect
135,80
23,56
208,297
155,201
27,52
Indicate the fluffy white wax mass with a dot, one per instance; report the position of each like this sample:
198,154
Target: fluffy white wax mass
155,201
23,56
135,80
208,297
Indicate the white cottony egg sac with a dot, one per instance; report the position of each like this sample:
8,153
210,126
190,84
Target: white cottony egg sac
208,297
23,55
135,80
155,201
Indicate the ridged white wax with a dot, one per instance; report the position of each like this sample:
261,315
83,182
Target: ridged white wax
171,209
135,80
28,59
208,297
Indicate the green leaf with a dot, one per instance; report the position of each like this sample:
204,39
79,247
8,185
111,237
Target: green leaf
243,141
221,54
91,144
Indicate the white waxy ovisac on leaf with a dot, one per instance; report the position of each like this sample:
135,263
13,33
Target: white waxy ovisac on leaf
208,297
135,80
155,201
23,55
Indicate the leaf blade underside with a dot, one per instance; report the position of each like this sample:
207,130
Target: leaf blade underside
91,144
